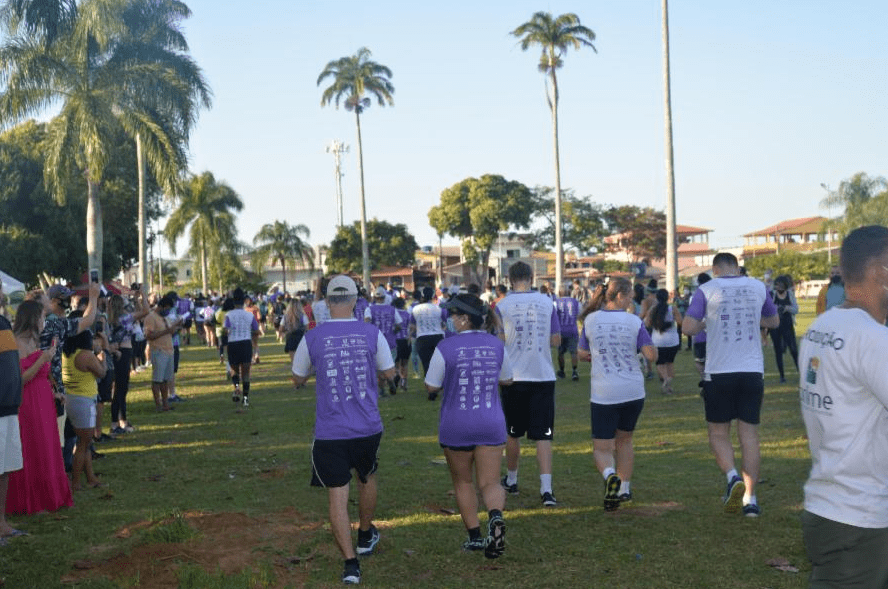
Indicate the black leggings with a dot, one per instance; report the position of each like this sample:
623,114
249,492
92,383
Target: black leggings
121,384
784,338
425,349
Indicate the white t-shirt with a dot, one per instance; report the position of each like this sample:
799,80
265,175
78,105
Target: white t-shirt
844,395
669,337
614,338
428,318
321,311
529,320
240,325
732,307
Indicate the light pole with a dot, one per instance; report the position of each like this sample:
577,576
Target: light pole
337,148
828,222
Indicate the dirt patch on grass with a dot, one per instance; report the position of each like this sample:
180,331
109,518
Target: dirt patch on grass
284,544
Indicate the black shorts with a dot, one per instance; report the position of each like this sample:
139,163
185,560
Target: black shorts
607,419
568,344
333,460
700,352
240,352
529,408
734,395
667,355
188,323
403,347
293,339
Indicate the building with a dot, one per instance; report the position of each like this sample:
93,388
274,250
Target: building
807,234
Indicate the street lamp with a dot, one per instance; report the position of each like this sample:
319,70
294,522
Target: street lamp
829,222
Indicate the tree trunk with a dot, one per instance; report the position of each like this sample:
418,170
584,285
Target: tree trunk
94,241
365,247
559,247
203,269
284,270
671,241
143,259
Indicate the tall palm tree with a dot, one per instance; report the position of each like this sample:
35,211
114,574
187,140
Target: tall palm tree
208,207
554,35
281,241
43,18
671,241
354,76
88,69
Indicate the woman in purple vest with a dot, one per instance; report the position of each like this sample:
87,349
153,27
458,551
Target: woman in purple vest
469,368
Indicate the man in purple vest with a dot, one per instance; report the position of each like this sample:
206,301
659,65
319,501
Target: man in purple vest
345,355
383,316
568,309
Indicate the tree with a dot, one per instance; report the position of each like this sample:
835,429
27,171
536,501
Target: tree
91,71
862,198
554,36
281,242
208,207
798,265
582,223
476,210
45,19
353,77
642,230
392,245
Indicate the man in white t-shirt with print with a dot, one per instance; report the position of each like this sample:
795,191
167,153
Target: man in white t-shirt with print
732,308
843,392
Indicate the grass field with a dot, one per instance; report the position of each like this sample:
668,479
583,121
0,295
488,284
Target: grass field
208,497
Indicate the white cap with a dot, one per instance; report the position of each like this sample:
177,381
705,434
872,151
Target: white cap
380,293
340,286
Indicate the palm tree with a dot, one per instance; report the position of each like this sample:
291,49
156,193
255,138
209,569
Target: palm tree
853,195
353,77
671,241
554,36
41,18
207,206
281,242
90,70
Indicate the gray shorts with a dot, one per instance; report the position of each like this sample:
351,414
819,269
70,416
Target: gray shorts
163,367
10,444
81,411
843,555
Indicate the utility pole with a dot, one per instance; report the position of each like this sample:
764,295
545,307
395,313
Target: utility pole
671,241
829,200
337,148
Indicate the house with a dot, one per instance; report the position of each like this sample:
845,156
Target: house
693,252
802,235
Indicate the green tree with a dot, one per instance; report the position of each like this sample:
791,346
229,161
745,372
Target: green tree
392,245
476,210
93,72
642,231
45,19
582,223
208,207
281,241
554,35
798,265
862,198
353,77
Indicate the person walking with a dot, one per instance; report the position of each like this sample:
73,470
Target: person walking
242,327
783,336
568,309
346,354
733,308
663,320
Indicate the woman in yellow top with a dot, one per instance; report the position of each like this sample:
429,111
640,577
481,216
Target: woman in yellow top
221,335
80,369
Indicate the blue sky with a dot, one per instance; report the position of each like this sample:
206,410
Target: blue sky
770,99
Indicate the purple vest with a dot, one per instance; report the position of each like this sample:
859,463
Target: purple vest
471,413
568,309
343,354
360,306
383,317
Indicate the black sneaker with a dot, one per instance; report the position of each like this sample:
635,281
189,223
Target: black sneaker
612,492
510,489
367,543
733,498
625,497
433,396
496,536
548,499
752,510
473,544
560,374
575,376
352,574
235,396
393,388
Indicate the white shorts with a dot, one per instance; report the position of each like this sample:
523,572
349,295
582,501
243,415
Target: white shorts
163,367
81,411
10,444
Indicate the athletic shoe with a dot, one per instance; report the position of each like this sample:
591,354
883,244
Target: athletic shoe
367,544
496,536
118,431
575,376
612,492
393,388
733,498
433,396
625,497
176,399
752,510
235,396
103,438
352,574
246,401
560,374
510,489
473,544
548,499
129,428
782,380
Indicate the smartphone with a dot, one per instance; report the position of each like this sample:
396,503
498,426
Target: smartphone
94,275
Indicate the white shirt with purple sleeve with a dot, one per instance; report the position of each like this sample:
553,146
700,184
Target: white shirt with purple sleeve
468,367
732,307
345,355
240,325
614,338
529,320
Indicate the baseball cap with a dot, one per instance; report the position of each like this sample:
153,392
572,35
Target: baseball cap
342,285
380,292
59,291
466,303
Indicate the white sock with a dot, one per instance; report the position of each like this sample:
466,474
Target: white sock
512,477
545,483
607,472
750,499
624,487
731,474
